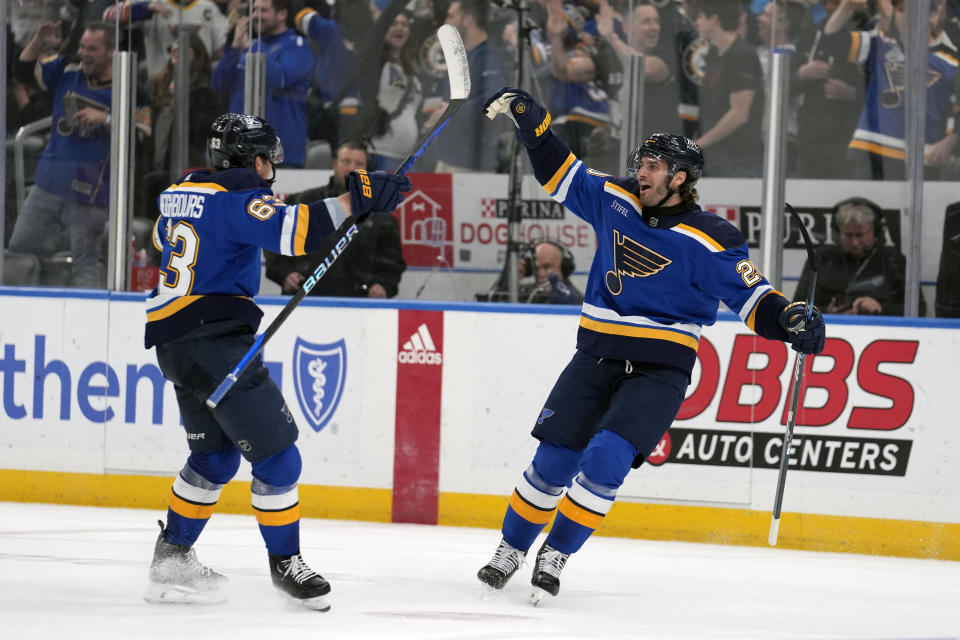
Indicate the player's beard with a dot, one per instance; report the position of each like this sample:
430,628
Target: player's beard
653,195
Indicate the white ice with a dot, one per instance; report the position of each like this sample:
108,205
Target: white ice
79,572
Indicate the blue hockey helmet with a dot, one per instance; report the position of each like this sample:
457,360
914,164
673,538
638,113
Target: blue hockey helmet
237,138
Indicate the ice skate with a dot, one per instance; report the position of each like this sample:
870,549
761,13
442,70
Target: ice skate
504,563
293,577
178,577
546,573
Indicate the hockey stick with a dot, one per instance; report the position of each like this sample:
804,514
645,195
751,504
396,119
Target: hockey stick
459,75
797,380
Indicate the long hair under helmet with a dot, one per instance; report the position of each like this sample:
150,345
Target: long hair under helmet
680,154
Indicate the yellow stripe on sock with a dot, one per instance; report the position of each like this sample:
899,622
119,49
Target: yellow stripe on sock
580,515
189,509
528,512
278,518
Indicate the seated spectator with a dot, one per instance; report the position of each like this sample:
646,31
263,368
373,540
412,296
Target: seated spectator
370,268
860,274
543,276
553,265
731,93
948,278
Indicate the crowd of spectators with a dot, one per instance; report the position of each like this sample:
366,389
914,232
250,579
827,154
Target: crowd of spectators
348,70
340,70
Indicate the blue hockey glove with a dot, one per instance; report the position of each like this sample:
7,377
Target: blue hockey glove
805,336
560,293
531,119
376,191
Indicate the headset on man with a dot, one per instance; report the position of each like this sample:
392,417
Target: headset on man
878,223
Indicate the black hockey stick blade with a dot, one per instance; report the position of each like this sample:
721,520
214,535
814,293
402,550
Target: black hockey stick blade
459,74
795,387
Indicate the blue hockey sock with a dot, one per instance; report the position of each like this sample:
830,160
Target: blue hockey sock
581,512
195,492
531,507
276,501
603,466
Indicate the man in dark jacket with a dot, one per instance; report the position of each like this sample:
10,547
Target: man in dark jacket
371,269
859,274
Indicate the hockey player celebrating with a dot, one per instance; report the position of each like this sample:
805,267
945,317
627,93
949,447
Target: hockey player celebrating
662,266
201,318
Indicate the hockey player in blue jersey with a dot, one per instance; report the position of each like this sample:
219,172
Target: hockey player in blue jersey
201,318
661,269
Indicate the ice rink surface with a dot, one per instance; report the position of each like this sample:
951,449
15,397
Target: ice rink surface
79,572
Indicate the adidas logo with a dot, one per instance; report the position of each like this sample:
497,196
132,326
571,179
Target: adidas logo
420,349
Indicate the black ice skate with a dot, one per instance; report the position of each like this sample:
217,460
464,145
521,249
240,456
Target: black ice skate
292,576
178,577
546,573
504,563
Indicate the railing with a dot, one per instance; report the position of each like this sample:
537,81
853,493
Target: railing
19,163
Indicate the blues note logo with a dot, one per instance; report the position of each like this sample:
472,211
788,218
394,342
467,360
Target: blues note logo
319,373
632,259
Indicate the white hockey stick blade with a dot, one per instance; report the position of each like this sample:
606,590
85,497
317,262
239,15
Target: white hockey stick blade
455,55
774,532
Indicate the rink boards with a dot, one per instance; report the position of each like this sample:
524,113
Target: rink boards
421,413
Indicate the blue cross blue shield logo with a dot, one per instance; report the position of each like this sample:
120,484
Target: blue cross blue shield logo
319,373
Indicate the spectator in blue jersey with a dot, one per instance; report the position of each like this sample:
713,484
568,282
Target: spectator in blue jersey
466,144
334,67
731,92
661,269
67,207
579,94
878,146
288,67
202,320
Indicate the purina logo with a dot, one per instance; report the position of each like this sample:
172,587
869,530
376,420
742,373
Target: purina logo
420,349
319,373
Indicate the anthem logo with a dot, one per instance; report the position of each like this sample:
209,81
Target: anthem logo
420,349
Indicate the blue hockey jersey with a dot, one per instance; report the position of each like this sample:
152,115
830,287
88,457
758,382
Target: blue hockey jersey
210,231
881,128
76,162
654,281
289,63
